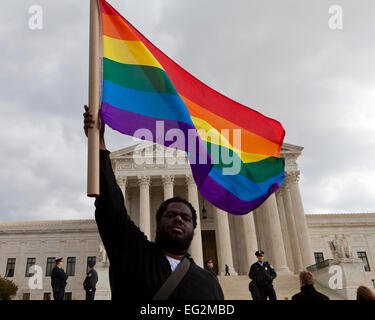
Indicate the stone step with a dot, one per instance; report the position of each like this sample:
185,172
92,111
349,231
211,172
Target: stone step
286,285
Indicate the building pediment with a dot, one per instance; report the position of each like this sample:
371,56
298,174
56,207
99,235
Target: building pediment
148,146
288,148
148,155
129,151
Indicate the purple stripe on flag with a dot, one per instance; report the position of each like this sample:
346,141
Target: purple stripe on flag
128,123
222,198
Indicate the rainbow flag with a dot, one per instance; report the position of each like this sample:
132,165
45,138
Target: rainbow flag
143,89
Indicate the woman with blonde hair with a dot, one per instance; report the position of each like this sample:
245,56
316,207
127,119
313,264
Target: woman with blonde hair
364,293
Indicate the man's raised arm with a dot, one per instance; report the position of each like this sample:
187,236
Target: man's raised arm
116,229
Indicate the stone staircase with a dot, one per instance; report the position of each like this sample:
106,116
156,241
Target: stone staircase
286,285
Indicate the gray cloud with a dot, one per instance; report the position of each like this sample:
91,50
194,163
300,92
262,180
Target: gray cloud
279,58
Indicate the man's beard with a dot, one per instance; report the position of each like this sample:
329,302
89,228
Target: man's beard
172,244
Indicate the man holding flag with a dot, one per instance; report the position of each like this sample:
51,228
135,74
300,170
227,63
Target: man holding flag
139,264
139,88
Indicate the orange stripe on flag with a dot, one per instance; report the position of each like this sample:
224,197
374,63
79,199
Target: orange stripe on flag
250,142
116,27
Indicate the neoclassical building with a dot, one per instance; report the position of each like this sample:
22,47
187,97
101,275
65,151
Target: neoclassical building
148,174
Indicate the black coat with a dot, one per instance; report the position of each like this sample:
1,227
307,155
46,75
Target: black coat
262,275
210,270
58,277
308,292
90,280
138,267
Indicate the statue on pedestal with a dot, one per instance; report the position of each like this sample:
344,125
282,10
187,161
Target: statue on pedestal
340,248
344,243
102,254
349,268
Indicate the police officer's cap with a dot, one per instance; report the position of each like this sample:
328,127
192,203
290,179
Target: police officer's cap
59,260
259,253
209,261
91,264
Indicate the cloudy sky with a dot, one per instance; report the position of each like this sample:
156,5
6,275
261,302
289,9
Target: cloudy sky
278,57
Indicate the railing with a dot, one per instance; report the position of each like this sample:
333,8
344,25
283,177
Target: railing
319,265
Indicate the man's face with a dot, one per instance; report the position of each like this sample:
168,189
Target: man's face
210,264
260,258
59,264
175,228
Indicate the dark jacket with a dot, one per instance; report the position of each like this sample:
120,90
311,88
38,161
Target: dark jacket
210,270
262,275
138,267
90,280
58,277
308,292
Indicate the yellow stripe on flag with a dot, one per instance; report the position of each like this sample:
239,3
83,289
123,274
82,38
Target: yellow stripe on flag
210,134
128,52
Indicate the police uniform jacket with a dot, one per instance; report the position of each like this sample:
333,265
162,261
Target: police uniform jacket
90,280
210,270
309,293
138,267
58,277
262,275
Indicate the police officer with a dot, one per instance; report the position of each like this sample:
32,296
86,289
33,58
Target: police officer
262,274
210,267
58,280
90,281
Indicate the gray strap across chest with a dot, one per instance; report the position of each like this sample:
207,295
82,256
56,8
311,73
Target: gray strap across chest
173,280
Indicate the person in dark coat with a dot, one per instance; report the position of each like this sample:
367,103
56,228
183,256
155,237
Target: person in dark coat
58,280
210,267
308,292
138,266
227,270
90,281
262,275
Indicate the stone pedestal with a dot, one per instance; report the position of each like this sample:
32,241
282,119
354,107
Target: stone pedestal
103,289
353,277
342,276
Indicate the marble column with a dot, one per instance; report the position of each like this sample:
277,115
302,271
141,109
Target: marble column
224,247
168,181
123,183
196,249
257,214
144,205
292,231
246,240
284,229
300,220
273,234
